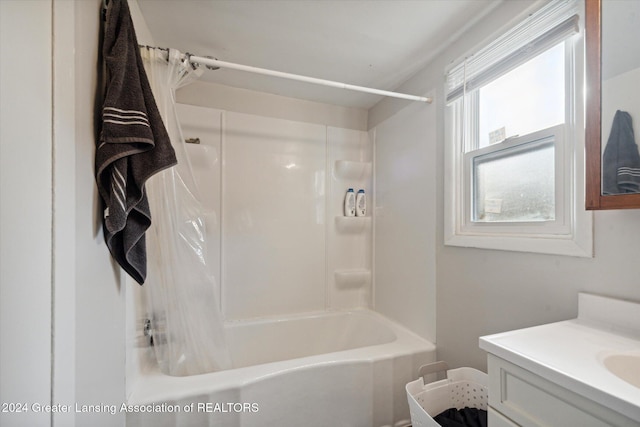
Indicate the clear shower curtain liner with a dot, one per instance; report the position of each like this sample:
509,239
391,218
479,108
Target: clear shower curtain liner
181,292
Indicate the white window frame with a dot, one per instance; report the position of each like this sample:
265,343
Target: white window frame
514,145
572,231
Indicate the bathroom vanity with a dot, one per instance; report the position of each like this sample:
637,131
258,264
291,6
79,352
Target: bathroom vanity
581,372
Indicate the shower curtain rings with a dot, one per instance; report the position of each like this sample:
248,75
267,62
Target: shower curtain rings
211,67
187,60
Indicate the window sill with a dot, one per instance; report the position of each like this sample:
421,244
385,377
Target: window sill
578,245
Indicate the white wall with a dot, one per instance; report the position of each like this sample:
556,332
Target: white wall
100,312
484,291
64,217
620,33
621,64
48,133
26,209
405,218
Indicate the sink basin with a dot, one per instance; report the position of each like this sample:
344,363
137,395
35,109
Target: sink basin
625,366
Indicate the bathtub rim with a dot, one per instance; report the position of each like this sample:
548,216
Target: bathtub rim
150,385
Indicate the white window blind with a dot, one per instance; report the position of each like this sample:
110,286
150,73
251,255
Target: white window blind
553,23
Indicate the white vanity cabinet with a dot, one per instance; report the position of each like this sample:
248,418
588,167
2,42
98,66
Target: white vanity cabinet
556,375
518,397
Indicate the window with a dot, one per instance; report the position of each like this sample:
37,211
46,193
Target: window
514,140
517,182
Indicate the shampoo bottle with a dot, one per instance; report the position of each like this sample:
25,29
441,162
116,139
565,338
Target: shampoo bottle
350,203
361,204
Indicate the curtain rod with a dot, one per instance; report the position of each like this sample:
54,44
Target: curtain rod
222,64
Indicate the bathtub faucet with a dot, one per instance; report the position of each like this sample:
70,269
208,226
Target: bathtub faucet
148,330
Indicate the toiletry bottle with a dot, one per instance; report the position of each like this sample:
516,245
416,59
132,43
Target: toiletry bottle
361,204
350,203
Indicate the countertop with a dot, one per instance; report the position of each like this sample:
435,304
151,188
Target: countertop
571,353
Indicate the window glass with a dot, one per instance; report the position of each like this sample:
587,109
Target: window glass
515,184
530,97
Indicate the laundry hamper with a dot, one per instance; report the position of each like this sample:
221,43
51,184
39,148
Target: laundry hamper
463,387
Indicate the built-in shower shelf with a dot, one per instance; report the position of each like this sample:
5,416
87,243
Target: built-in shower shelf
353,224
348,169
352,278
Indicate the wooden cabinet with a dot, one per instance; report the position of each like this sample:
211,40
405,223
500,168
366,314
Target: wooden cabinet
595,199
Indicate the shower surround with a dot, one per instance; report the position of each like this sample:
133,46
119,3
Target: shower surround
273,201
295,282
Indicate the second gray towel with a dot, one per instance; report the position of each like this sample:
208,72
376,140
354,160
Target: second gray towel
621,160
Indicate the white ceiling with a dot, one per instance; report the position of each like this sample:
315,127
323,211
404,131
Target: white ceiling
374,43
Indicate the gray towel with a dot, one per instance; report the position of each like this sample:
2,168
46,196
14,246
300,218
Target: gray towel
621,161
133,144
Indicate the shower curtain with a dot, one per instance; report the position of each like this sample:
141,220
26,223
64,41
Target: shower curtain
181,292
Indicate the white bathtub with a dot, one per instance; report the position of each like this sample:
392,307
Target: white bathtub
321,370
